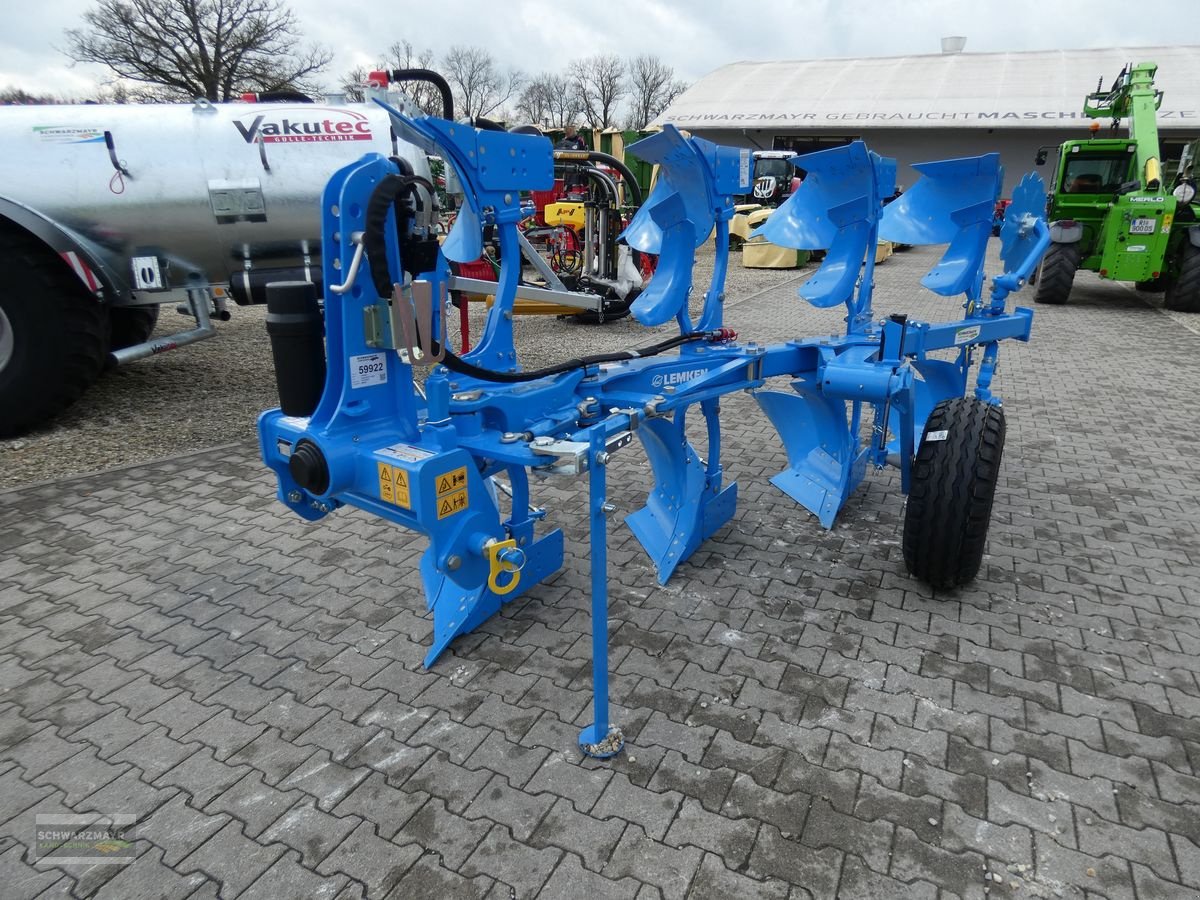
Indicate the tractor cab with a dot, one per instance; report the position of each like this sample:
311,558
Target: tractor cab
1098,200
775,177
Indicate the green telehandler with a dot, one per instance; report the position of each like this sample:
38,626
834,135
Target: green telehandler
1109,209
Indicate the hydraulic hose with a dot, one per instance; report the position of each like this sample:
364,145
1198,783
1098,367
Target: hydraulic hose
375,245
608,159
431,77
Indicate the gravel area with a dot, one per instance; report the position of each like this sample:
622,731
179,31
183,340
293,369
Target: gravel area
209,394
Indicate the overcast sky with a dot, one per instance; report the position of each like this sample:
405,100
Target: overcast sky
694,37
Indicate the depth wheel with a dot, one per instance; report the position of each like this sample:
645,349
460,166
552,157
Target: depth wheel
954,479
1056,274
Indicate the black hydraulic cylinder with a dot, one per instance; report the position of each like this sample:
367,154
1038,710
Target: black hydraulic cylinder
297,332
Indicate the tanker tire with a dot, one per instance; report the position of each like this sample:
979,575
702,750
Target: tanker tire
59,333
131,325
1183,293
1056,274
953,482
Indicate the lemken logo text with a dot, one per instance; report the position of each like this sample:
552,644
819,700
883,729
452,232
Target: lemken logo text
304,126
673,378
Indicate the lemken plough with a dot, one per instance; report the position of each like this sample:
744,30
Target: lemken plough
360,431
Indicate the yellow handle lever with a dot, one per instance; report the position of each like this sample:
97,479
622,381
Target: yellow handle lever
498,567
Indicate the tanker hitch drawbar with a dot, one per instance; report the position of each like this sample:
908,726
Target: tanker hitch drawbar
360,432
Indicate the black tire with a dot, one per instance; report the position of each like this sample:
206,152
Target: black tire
57,333
131,325
1183,293
1056,274
953,483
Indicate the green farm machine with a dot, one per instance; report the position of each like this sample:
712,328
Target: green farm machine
1110,209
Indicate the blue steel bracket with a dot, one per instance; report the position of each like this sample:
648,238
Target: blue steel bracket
437,462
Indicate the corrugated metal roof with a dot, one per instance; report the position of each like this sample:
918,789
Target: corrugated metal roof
1038,89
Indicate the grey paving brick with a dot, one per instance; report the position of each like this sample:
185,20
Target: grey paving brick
253,803
650,861
179,828
309,831
385,807
321,777
732,839
81,775
456,785
232,859
511,862
428,880
520,811
202,776
21,880
776,857
567,777
224,734
288,878
376,863
289,715
653,811
155,753
150,877
438,830
573,831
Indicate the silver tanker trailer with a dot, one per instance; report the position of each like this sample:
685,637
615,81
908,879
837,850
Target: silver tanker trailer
106,212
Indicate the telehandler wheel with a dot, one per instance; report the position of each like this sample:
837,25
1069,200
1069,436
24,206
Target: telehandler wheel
1183,294
1056,274
53,333
131,325
954,478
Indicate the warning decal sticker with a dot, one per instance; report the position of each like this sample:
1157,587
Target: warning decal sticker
393,486
451,504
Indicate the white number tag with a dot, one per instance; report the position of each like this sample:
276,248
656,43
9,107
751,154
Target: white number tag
368,369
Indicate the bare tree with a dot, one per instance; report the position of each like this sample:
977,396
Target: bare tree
13,96
199,48
652,87
480,87
598,84
549,99
352,84
421,94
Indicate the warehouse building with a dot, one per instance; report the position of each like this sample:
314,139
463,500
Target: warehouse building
936,106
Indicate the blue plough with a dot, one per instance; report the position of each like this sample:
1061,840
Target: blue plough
435,460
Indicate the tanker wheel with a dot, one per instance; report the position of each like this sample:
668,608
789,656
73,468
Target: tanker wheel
54,333
131,325
954,478
1056,274
1183,293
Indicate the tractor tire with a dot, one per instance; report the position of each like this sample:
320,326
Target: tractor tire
54,334
131,325
1056,274
1183,293
953,483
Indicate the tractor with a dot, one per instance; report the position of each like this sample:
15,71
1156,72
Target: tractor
1109,209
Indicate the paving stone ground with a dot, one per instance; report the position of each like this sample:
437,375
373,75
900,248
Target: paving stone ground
803,719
